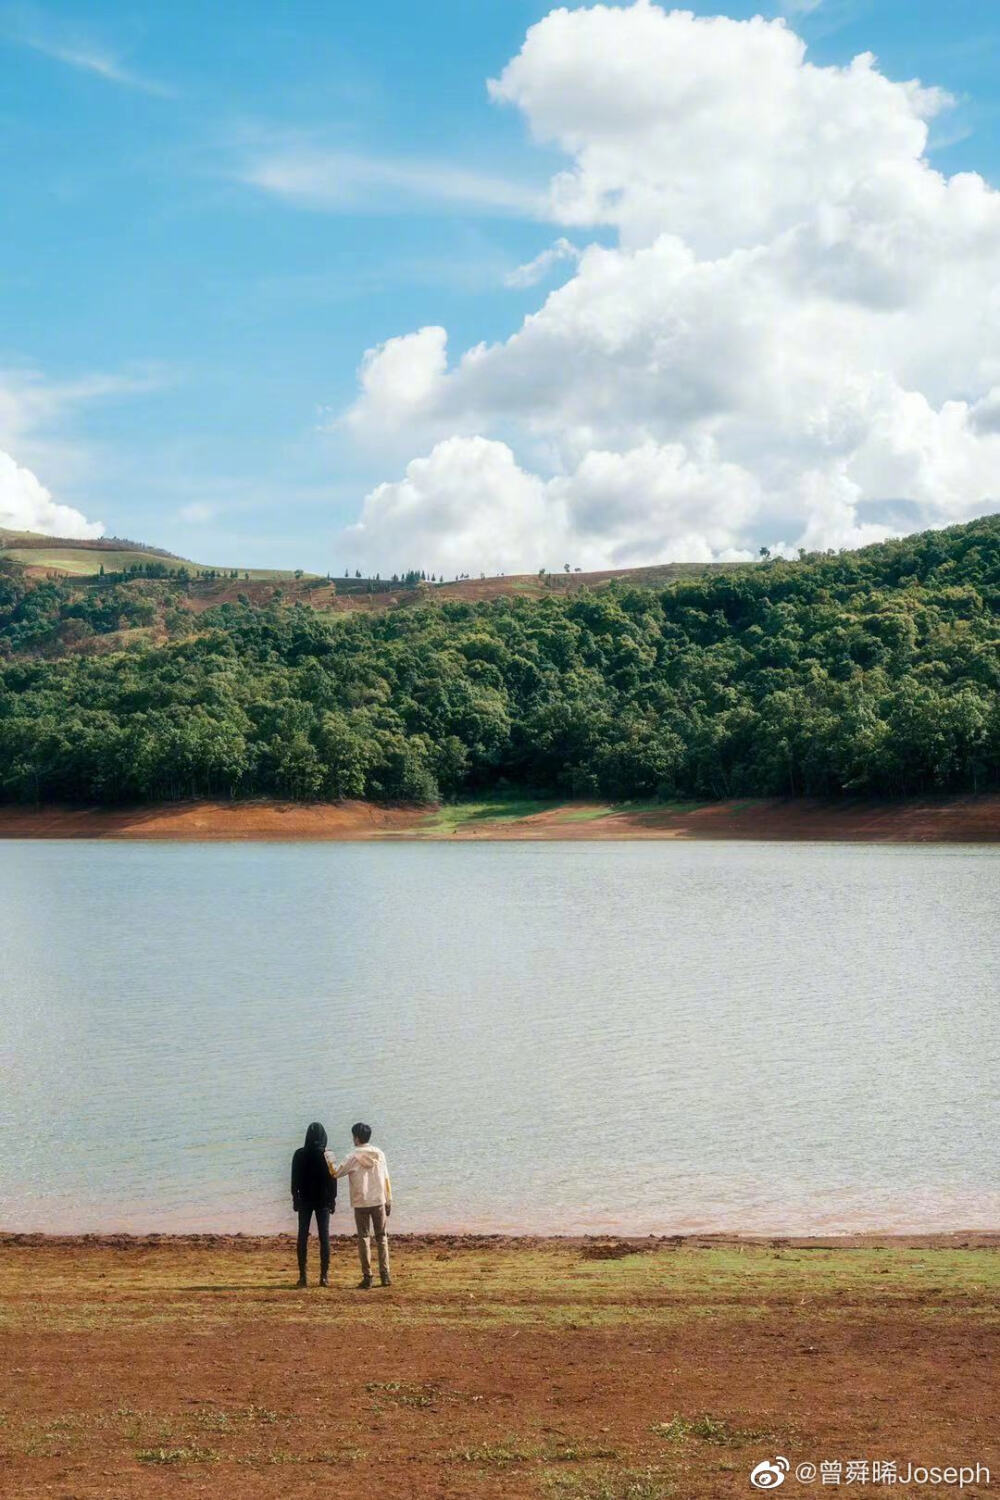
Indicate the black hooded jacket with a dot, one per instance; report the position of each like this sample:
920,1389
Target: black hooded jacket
312,1184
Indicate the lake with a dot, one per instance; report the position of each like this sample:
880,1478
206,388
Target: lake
645,1037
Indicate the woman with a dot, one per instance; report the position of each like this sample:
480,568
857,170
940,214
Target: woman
314,1191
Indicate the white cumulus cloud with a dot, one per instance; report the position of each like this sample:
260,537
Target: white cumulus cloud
26,505
32,413
613,509
456,495
795,339
400,380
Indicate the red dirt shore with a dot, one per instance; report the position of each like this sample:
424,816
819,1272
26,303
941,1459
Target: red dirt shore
576,1369
929,820
950,1239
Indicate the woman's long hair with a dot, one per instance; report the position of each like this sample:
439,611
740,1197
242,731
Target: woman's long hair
315,1137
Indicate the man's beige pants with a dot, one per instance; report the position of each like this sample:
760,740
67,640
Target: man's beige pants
367,1220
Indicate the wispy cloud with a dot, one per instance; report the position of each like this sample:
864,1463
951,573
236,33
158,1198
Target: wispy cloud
536,270
29,29
471,267
29,402
344,181
825,18
197,513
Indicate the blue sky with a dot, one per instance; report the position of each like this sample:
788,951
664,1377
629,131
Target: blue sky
179,339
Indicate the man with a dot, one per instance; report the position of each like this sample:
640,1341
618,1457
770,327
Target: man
371,1199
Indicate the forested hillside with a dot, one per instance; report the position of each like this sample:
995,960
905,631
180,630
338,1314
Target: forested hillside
871,672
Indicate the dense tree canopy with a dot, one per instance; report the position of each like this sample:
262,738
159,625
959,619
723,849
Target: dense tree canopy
868,672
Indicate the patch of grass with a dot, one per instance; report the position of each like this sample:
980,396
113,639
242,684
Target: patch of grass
214,1421
347,1453
667,806
43,1447
86,562
225,1421
584,814
401,1393
155,1433
496,1455
679,1428
626,1484
177,1456
61,1425
538,1286
574,1453
709,1429
260,1414
513,1451
496,809
627,809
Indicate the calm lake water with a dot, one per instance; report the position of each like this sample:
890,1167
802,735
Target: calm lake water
555,1037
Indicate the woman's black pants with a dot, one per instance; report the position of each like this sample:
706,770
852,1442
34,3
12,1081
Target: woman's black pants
323,1231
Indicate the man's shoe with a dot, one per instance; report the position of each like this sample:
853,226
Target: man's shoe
387,1281
324,1280
365,1284
301,1282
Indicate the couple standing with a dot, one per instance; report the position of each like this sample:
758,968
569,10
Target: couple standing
314,1191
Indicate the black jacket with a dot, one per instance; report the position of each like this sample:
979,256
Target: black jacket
313,1186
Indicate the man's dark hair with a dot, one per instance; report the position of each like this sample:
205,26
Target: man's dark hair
361,1133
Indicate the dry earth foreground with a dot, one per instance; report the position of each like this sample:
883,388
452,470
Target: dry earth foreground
970,819
557,1369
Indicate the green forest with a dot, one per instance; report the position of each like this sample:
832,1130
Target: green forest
859,673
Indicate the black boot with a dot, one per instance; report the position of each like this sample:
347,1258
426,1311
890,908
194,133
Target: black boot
365,1284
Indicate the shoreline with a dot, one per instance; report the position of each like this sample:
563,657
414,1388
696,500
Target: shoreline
611,1244
967,819
603,1369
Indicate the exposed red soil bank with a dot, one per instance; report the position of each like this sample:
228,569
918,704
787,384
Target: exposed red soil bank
956,819
210,820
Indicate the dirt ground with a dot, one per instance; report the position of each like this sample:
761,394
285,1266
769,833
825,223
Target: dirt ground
562,1370
953,819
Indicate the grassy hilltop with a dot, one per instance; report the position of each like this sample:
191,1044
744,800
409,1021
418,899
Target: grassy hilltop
63,557
90,559
866,673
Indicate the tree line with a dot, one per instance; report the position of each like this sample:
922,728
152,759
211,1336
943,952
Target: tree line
872,672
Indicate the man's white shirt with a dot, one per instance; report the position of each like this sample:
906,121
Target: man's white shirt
368,1174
